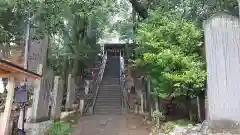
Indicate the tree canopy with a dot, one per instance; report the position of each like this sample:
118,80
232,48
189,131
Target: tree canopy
73,27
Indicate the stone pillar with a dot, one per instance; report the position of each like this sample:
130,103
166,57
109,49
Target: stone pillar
6,117
57,96
70,94
142,102
222,39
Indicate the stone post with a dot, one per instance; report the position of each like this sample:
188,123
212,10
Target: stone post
5,120
222,39
70,94
81,106
87,86
57,96
82,102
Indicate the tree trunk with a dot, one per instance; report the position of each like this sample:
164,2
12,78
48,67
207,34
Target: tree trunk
149,100
75,67
64,71
189,106
199,109
157,110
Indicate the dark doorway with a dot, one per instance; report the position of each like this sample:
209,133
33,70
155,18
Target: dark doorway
113,52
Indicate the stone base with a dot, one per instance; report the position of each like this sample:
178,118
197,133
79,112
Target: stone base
38,128
224,126
90,110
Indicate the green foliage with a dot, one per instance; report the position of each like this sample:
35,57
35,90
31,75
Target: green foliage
170,53
60,128
73,27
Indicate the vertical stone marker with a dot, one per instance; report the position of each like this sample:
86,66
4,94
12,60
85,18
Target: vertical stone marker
222,40
41,97
70,93
57,98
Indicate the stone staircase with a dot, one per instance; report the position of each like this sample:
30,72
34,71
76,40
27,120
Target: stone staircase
109,98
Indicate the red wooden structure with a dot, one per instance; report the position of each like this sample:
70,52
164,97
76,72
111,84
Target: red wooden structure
8,69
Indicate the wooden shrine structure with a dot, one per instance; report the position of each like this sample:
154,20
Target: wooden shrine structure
115,49
11,71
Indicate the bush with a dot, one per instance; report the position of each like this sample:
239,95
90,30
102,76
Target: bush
167,127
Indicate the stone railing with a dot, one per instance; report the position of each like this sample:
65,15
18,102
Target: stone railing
88,108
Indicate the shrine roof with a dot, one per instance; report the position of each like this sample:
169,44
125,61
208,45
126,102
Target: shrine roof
8,69
116,45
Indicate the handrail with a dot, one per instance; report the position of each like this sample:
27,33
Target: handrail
123,85
94,90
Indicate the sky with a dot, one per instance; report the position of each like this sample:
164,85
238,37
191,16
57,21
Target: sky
114,36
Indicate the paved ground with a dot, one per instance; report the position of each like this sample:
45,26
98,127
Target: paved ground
111,125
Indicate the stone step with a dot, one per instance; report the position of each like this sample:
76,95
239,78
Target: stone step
98,110
113,105
108,113
110,89
105,105
104,109
110,92
108,99
109,86
110,96
110,78
111,81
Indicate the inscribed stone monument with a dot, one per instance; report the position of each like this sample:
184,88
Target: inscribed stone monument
222,40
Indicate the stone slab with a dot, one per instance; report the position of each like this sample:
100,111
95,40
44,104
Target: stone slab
66,114
38,128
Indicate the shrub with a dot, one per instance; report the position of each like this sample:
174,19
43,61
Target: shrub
60,128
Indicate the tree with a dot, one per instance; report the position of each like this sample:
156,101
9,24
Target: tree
169,52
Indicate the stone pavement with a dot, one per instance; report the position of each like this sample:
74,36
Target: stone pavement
111,125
